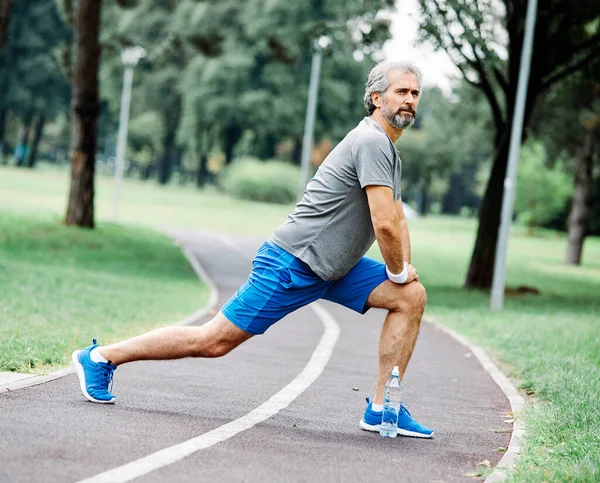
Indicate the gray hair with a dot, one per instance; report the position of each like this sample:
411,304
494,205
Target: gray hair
378,80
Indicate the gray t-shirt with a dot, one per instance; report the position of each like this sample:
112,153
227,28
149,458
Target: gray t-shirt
330,228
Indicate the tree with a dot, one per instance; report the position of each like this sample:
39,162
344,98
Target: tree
85,16
580,207
574,103
256,87
84,113
4,16
542,191
566,39
32,85
157,87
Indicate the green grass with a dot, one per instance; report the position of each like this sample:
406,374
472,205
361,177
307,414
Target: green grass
61,286
46,191
548,343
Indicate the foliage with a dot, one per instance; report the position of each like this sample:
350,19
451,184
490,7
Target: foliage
267,59
268,181
31,79
450,141
541,191
485,40
562,122
145,131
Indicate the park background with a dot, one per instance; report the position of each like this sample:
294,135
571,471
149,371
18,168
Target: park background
215,141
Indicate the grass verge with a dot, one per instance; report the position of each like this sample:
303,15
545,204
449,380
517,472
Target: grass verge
62,286
547,343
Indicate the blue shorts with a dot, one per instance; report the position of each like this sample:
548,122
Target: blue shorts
281,283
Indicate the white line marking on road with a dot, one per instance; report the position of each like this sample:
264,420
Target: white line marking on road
313,369
229,242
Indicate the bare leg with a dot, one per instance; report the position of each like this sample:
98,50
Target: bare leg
406,304
213,339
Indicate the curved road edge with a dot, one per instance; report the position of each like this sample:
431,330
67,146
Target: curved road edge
13,381
517,403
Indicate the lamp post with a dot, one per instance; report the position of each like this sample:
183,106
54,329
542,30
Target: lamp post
311,108
510,181
130,57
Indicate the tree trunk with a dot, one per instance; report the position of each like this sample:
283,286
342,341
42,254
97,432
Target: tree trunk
22,147
4,17
481,269
84,117
423,195
297,152
3,117
580,207
165,165
170,153
232,135
202,172
266,147
452,199
37,136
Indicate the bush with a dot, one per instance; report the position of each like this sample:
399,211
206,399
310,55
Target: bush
268,181
542,192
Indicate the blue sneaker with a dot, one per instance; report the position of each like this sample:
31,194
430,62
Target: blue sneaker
94,377
407,426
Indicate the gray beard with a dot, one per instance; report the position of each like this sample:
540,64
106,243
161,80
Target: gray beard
399,121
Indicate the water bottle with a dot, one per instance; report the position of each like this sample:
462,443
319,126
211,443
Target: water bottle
391,405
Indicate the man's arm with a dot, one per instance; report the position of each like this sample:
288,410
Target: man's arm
390,228
404,236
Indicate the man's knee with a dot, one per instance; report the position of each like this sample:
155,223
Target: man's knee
219,337
420,295
411,298
218,348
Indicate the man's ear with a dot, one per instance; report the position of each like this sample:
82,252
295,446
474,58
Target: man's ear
377,99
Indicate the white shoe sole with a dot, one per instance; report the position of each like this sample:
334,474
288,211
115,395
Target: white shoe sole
81,377
401,432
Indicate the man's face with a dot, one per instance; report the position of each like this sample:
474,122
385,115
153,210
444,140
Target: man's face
400,100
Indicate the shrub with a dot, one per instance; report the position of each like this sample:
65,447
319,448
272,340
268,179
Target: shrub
542,192
268,181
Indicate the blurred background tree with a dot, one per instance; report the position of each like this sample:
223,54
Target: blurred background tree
568,123
4,16
485,39
32,86
542,191
227,80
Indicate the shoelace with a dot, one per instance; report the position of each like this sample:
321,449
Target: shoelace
404,408
107,372
110,376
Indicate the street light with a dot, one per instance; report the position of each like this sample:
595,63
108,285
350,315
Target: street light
510,181
130,57
309,124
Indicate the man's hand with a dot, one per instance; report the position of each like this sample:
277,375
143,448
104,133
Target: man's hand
412,274
408,274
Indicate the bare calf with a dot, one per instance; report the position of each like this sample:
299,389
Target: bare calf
405,305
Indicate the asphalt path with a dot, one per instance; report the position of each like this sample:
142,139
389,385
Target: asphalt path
304,431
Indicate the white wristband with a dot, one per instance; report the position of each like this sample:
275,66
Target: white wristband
398,278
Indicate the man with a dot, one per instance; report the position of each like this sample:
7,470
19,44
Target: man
318,253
